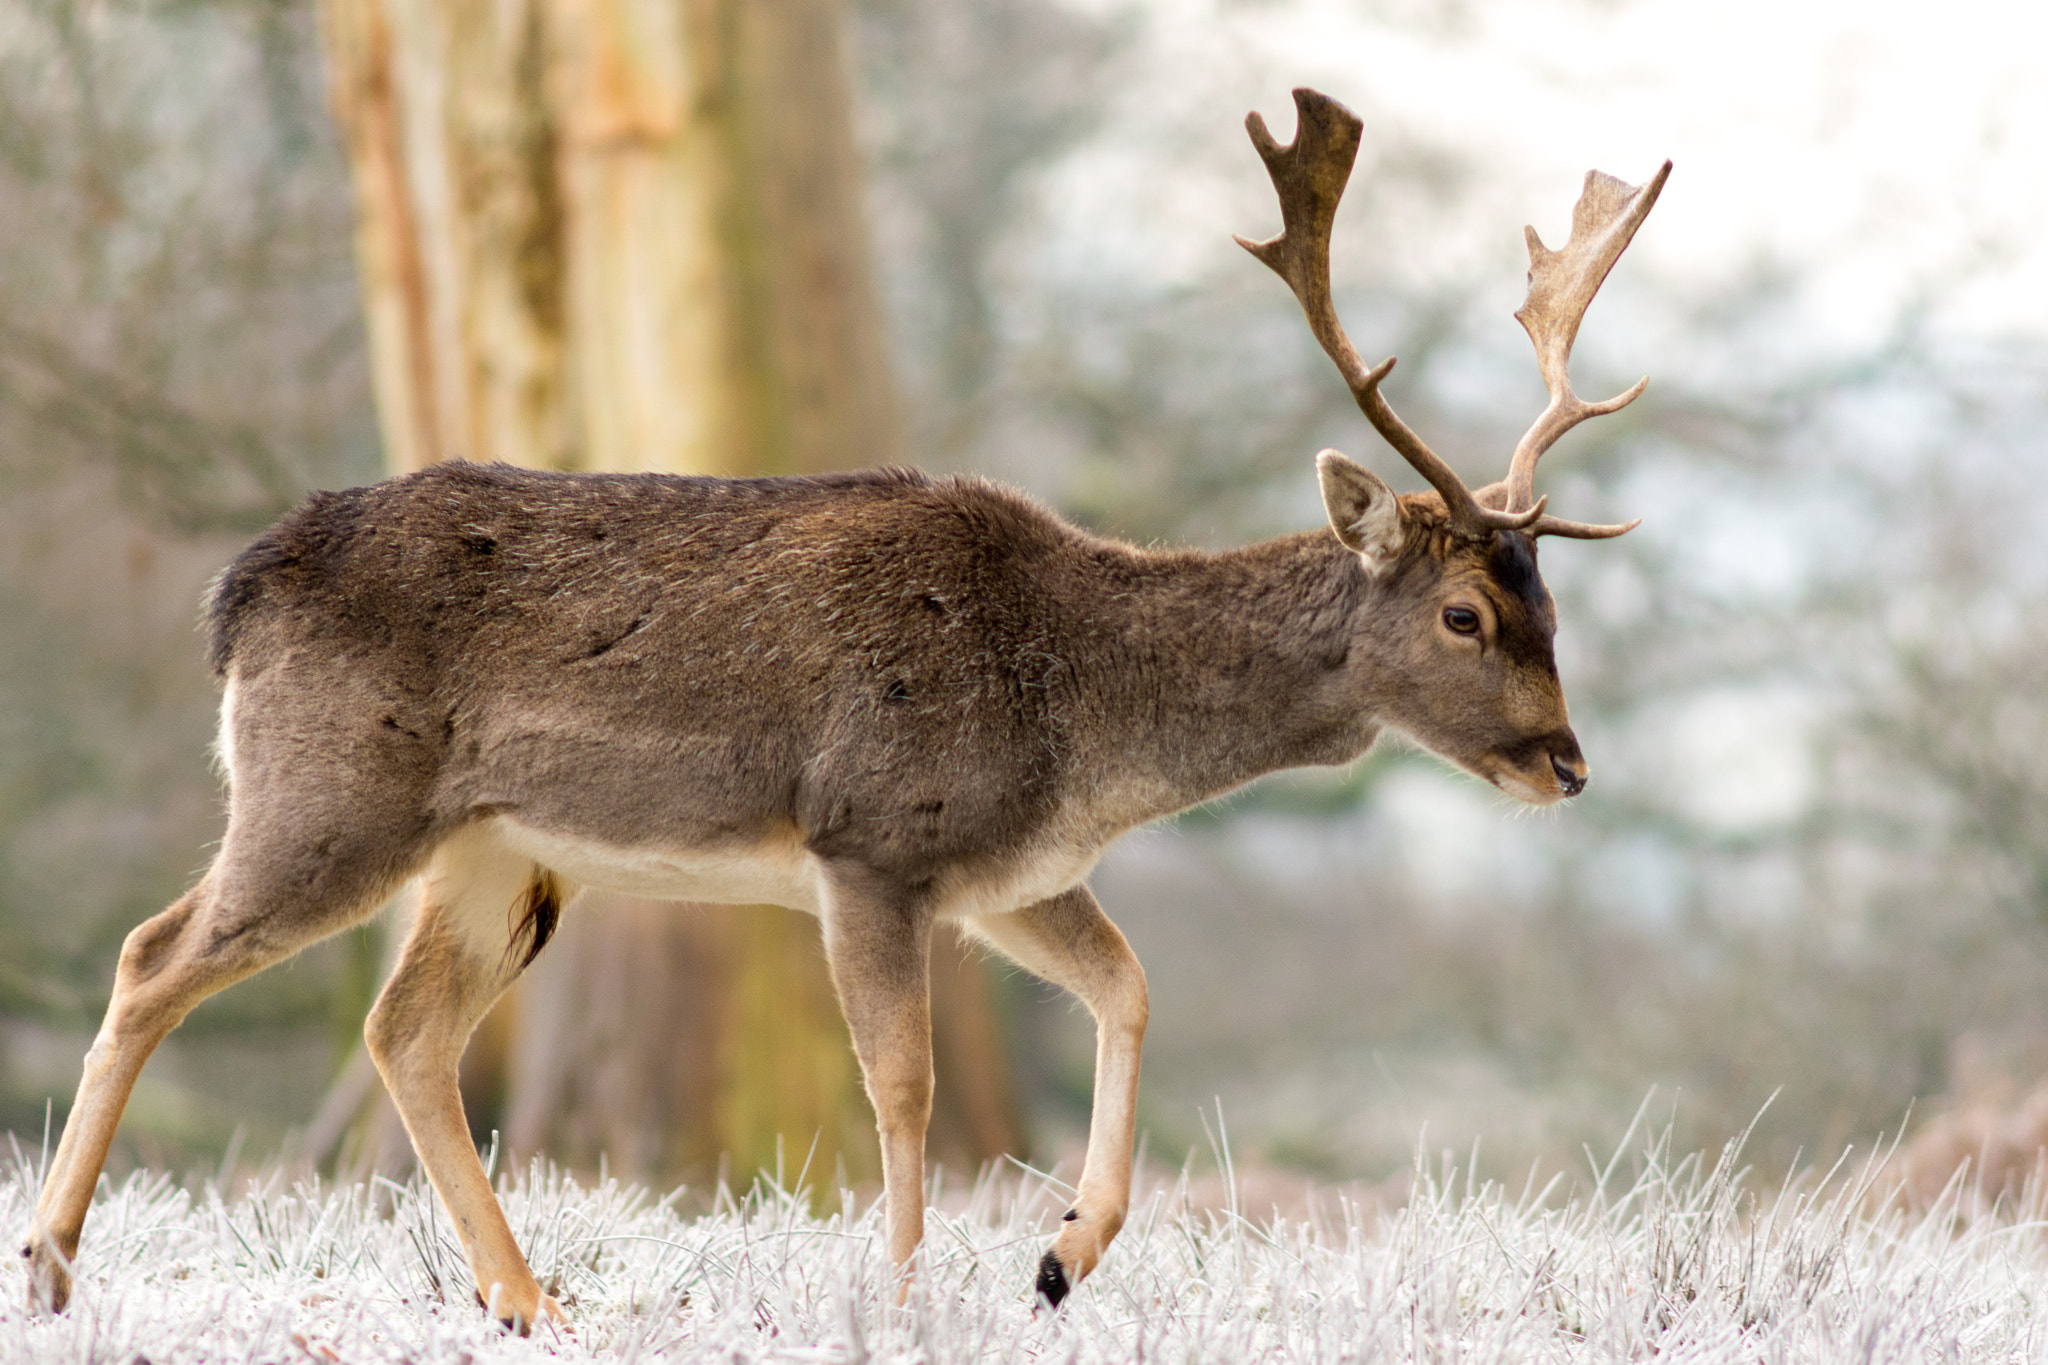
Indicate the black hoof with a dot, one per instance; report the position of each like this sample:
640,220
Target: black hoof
1052,1280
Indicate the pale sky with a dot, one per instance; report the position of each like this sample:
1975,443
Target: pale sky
1876,145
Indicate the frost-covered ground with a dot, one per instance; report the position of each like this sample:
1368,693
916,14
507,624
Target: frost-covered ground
1680,1259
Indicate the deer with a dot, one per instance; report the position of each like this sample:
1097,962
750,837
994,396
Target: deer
883,698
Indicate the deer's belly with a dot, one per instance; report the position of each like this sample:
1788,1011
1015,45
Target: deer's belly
776,871
780,871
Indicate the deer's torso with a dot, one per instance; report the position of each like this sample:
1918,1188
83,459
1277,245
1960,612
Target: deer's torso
707,689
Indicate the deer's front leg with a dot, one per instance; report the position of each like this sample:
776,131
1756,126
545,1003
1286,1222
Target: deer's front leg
1071,943
878,945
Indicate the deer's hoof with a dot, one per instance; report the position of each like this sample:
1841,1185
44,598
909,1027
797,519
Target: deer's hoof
49,1276
520,1321
1052,1282
549,1312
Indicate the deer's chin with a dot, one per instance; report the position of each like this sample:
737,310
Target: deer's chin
1547,793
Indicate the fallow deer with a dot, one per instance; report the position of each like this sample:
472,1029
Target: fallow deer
885,699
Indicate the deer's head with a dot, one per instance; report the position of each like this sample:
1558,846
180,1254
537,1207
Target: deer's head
1462,617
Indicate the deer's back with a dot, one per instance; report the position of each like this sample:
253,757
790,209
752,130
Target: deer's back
871,664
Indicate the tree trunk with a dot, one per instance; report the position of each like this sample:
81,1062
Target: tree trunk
627,234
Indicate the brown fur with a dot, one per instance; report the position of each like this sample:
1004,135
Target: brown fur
886,698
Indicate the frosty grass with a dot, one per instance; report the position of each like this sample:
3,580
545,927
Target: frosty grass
1682,1259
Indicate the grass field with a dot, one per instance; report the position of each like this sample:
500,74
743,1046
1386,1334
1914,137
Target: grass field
1681,1259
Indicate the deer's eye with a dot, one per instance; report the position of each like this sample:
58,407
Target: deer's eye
1463,620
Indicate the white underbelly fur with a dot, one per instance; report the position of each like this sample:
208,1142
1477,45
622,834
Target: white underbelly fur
771,872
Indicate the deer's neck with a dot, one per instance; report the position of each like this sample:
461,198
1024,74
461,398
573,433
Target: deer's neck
1230,665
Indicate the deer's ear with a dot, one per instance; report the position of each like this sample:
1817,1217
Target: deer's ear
1362,509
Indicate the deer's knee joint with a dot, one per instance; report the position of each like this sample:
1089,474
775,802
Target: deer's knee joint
99,1058
902,1101
388,1034
1137,1010
407,1041
1125,1003
153,944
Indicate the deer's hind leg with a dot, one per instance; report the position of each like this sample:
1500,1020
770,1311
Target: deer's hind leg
1068,941
485,912
299,862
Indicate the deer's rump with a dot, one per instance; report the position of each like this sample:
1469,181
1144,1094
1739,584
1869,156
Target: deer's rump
855,664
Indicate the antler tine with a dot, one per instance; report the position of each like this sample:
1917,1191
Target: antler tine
1310,174
1579,530
1561,286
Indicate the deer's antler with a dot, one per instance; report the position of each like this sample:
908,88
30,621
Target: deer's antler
1309,174
1561,286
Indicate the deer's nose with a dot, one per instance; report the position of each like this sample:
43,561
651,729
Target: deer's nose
1571,774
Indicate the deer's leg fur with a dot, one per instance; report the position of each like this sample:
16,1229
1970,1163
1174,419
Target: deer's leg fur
467,945
289,873
878,946
1069,941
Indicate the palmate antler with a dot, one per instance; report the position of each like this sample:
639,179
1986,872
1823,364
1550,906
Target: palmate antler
1561,285
1310,174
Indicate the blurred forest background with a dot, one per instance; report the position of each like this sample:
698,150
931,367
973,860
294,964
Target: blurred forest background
1813,861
